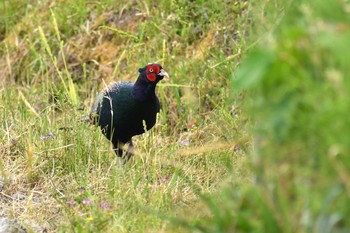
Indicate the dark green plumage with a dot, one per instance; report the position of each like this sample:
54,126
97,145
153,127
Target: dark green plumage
122,108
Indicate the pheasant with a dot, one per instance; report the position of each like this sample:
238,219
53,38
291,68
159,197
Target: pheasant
125,109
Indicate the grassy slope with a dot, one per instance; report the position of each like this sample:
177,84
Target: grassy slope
52,65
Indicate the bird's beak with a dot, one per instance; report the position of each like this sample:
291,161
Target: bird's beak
163,73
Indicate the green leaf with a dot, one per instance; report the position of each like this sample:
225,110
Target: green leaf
252,71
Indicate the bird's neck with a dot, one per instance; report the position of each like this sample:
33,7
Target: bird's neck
143,91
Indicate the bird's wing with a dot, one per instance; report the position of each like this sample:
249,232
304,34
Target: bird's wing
94,111
95,108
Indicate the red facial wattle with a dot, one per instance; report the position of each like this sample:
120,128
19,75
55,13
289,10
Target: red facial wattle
151,72
151,77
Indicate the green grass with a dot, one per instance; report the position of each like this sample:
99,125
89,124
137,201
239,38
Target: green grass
55,60
252,136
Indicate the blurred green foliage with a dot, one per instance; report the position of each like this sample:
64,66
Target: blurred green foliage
298,97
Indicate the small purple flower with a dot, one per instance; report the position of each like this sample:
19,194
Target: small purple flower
49,135
81,188
86,202
104,205
162,180
71,203
185,142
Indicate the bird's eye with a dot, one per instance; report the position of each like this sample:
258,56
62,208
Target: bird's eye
150,70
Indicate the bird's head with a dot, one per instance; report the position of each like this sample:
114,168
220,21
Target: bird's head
146,83
153,73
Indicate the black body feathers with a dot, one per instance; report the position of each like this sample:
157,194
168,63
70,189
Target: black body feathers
122,108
